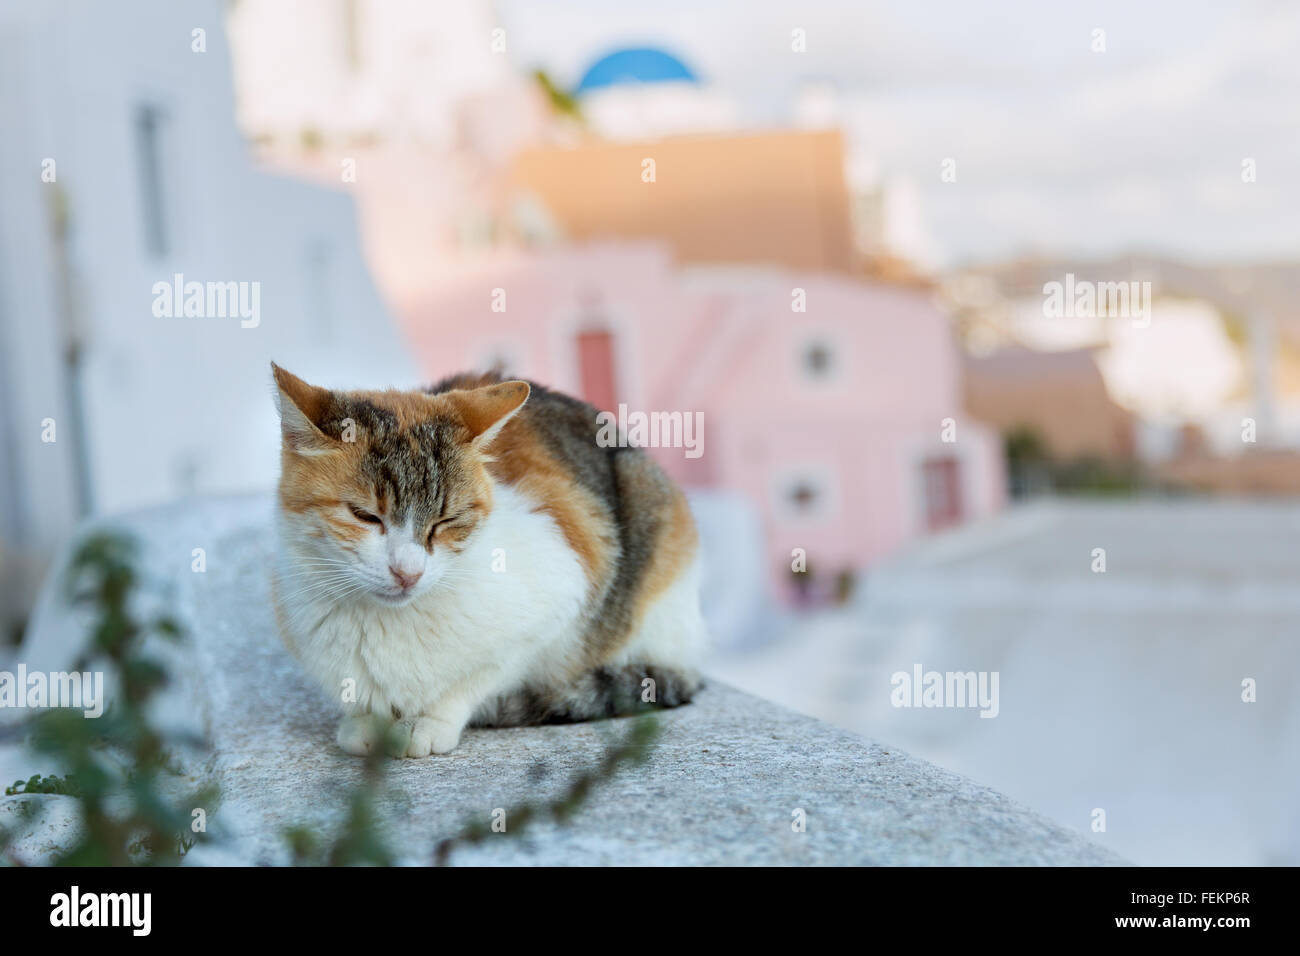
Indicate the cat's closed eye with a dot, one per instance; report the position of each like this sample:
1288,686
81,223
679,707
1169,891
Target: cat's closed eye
433,528
362,515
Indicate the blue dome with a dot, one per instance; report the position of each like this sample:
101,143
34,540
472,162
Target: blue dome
634,66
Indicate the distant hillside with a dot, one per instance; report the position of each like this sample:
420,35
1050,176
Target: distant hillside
1239,289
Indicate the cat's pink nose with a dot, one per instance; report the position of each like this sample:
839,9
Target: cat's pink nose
405,579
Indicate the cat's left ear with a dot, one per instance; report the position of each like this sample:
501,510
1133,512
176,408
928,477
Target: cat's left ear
301,406
485,411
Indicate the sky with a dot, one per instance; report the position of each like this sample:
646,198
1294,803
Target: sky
1058,150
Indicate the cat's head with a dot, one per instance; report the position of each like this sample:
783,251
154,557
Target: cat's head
380,492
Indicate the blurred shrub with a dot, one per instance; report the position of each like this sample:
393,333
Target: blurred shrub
1032,471
118,767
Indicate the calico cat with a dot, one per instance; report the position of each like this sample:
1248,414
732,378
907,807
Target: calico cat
471,555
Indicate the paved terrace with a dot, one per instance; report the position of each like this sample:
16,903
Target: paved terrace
1119,690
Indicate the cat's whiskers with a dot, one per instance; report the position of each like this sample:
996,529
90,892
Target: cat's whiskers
307,608
314,574
314,589
321,565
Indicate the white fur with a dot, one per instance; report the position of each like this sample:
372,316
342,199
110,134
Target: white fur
672,631
464,634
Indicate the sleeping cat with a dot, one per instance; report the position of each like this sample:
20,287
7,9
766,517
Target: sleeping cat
471,555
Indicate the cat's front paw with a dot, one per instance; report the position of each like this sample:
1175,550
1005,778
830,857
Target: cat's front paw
359,734
429,735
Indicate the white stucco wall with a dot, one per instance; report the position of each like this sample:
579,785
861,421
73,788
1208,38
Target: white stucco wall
172,405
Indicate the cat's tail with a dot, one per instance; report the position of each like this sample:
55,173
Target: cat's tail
603,692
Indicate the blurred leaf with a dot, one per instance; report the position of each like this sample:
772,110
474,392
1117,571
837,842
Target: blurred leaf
116,760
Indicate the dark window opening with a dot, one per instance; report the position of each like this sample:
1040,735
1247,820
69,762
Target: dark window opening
803,496
149,121
818,360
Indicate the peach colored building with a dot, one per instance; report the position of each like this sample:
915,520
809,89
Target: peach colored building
831,421
765,197
1060,396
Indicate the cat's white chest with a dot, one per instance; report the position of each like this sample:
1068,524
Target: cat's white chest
508,610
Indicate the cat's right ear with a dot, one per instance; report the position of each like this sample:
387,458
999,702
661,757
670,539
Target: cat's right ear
301,406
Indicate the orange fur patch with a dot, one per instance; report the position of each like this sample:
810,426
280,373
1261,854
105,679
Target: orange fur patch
674,549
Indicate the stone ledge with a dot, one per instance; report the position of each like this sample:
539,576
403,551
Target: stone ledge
719,788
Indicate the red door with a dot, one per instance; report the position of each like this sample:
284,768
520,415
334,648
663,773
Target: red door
942,481
596,369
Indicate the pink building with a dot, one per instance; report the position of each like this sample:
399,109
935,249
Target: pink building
832,403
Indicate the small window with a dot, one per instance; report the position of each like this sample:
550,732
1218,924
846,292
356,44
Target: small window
818,360
149,124
805,495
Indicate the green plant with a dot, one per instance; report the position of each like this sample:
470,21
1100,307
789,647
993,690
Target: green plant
13,632
311,139
563,102
1024,444
1095,477
360,838
119,769
1031,466
64,786
634,749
